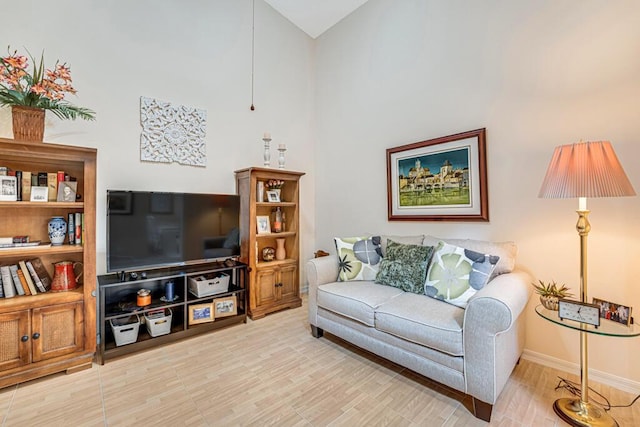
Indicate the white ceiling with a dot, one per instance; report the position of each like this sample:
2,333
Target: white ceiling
314,17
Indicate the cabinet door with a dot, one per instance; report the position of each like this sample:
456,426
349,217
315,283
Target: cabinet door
265,288
15,344
288,283
57,330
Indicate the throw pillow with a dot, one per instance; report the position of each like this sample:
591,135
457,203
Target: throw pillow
405,266
456,273
359,257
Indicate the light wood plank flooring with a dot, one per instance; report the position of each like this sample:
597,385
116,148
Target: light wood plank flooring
273,372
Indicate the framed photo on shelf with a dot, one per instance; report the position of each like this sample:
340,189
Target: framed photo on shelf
39,194
273,196
226,306
9,189
441,179
613,311
263,224
67,191
201,313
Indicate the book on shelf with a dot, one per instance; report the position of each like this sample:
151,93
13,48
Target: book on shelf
1,288
52,184
23,282
41,272
26,185
42,179
34,179
71,228
7,282
79,225
20,290
27,277
36,279
19,186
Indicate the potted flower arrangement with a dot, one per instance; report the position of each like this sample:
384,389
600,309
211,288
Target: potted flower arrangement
30,94
550,293
274,184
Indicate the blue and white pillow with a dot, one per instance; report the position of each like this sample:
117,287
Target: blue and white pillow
359,257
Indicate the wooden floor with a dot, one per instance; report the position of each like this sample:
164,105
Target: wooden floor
273,372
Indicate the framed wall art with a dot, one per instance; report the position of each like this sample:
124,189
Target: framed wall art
441,179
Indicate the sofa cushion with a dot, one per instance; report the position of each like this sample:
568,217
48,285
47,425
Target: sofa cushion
359,257
355,300
424,321
405,266
407,240
507,251
456,273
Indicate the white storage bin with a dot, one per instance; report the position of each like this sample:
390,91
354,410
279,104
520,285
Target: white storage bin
125,330
158,321
209,284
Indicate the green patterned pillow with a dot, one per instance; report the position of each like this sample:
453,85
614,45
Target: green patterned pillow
405,266
456,273
359,257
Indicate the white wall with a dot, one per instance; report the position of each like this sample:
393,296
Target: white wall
536,74
193,52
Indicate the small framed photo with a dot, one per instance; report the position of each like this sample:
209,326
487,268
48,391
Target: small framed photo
273,196
263,223
200,313
39,194
67,191
226,306
613,311
9,189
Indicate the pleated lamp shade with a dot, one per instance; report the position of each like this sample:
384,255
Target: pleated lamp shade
585,169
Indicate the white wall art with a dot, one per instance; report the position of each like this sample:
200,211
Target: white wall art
172,133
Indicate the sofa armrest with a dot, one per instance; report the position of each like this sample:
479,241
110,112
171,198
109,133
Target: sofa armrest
319,271
493,334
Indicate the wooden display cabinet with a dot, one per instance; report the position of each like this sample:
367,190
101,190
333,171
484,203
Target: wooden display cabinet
273,285
53,331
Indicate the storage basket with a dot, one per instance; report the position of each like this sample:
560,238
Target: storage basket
125,330
28,123
158,321
209,284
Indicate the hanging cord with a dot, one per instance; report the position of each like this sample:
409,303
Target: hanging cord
253,40
574,388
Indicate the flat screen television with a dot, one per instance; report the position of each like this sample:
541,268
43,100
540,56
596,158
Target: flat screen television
154,229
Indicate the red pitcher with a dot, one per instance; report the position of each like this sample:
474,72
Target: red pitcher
64,276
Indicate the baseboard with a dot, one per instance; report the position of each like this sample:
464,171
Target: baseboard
620,383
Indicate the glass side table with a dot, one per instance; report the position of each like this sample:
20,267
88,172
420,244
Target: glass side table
579,412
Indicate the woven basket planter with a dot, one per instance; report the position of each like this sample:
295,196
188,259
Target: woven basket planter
28,123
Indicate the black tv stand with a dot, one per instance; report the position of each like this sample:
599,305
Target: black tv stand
117,301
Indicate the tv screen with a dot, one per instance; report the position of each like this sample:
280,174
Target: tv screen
152,229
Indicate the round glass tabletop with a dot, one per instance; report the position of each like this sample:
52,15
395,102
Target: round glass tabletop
607,327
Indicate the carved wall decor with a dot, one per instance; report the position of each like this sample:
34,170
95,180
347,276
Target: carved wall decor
172,133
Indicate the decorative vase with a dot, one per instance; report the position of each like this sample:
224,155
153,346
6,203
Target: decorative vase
281,252
57,230
28,123
549,302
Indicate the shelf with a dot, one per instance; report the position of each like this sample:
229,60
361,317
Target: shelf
41,299
606,328
275,263
33,251
276,235
276,204
46,205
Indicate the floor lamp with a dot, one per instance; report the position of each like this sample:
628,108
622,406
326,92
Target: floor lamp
584,169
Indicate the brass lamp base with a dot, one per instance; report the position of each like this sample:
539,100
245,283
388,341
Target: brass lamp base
582,414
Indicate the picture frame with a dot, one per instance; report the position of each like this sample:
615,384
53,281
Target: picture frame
227,306
67,191
201,313
9,188
441,179
263,224
39,194
273,196
613,311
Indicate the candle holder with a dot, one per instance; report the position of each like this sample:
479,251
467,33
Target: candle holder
267,152
281,150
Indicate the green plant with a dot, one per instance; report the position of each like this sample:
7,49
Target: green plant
552,289
42,88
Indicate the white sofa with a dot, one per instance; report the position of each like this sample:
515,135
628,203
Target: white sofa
472,350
